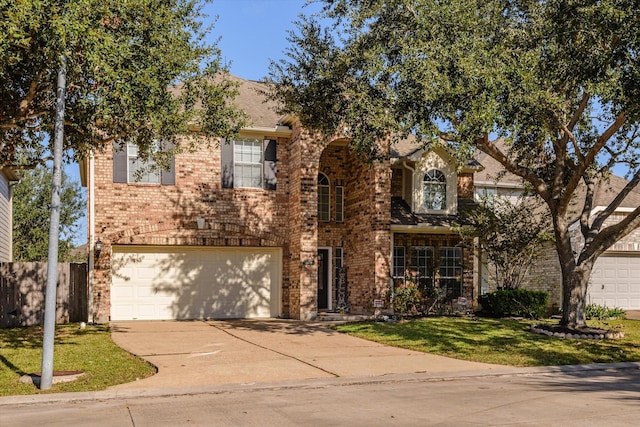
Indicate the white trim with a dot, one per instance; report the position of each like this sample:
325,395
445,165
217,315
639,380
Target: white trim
284,131
236,163
328,187
495,184
422,229
92,229
576,223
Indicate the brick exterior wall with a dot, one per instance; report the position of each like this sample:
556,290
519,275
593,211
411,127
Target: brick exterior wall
154,214
396,182
466,188
158,215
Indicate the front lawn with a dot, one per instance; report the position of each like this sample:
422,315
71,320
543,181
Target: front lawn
501,341
90,350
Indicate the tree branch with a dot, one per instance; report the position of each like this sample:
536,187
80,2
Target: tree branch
602,216
611,235
492,150
579,171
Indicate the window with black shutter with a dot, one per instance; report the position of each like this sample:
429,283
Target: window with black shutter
249,163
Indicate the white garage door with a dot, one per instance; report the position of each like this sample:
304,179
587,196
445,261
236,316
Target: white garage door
615,281
160,283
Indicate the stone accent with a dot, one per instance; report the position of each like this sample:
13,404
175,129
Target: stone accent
587,335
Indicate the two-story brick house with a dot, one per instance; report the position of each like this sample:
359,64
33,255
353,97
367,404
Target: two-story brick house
278,223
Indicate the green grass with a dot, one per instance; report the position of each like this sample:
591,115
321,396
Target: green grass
501,341
90,350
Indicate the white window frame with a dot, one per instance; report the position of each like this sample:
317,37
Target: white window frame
398,268
436,181
152,174
240,163
324,215
451,260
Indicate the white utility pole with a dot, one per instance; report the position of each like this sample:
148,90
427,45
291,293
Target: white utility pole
54,233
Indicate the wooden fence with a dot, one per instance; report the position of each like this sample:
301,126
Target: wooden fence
22,292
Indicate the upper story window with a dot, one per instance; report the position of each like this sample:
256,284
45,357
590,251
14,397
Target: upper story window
434,190
249,163
323,197
129,167
141,170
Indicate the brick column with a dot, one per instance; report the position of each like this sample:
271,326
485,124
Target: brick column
304,158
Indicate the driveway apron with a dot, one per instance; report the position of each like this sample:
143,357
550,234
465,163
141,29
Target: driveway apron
195,353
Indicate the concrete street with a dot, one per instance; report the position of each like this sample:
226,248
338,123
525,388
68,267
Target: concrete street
580,398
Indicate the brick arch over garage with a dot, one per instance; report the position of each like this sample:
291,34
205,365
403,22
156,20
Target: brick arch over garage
217,234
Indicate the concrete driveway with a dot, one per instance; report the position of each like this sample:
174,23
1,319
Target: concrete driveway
197,353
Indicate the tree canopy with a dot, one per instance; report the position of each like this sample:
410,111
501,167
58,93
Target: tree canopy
137,69
558,81
31,204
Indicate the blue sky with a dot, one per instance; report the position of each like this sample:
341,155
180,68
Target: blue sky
254,31
251,33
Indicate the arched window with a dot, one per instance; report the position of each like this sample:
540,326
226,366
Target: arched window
323,197
434,190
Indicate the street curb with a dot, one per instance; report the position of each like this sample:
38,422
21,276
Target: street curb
308,383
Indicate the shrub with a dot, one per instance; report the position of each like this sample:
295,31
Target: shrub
407,299
515,302
601,312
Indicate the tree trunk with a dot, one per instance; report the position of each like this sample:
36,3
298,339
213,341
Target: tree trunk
575,277
574,301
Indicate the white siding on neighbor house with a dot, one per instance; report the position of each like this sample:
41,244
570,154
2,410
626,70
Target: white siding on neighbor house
5,219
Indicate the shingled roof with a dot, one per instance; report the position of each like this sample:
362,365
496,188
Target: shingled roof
261,112
606,190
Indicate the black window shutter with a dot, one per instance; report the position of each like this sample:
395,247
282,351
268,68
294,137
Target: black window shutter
168,176
226,161
119,162
270,166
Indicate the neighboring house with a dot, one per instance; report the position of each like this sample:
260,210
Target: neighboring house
615,280
7,176
278,223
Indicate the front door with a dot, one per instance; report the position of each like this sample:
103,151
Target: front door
323,279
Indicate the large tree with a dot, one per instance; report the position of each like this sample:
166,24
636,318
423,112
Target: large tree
136,69
557,80
31,203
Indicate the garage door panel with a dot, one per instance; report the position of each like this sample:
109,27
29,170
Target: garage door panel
191,284
615,281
